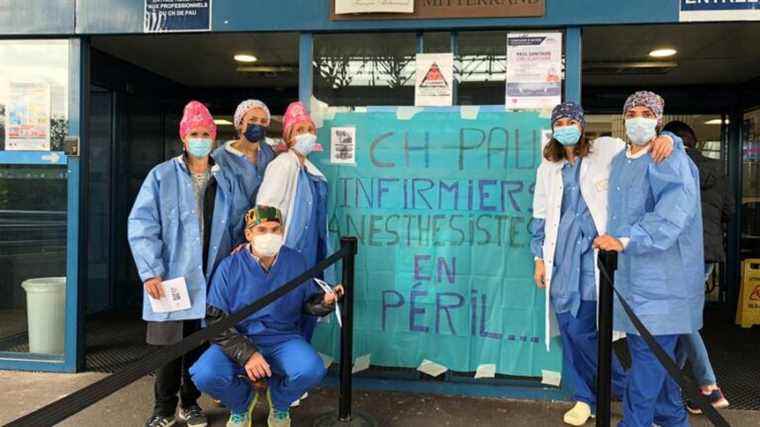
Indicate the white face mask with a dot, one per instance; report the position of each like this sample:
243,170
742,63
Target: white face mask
305,143
267,245
641,130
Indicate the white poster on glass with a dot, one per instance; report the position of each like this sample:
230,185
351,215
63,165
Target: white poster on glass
343,146
534,70
434,80
343,7
27,117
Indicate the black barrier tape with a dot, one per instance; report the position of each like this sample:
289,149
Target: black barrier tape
81,399
687,386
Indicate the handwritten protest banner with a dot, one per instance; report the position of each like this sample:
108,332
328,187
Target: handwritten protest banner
441,203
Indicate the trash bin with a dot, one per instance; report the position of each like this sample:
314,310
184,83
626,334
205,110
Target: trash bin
46,311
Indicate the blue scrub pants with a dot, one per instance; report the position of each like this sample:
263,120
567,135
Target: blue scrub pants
296,368
652,396
579,352
308,325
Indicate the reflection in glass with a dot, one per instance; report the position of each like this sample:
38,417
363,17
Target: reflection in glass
483,67
32,241
364,69
37,61
751,185
33,203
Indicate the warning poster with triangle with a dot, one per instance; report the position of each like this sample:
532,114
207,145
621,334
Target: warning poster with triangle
434,79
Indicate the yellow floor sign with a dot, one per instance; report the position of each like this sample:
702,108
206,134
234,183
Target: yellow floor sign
748,311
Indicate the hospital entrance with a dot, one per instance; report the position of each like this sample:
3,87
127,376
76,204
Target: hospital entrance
139,84
709,76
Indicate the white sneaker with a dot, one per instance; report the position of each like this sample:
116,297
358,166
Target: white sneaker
578,415
297,403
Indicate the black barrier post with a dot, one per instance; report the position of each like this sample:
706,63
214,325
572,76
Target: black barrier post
345,415
607,261
347,332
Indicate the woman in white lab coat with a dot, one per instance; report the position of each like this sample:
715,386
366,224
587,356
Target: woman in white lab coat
569,211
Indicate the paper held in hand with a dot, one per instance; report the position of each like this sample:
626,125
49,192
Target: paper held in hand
175,297
328,290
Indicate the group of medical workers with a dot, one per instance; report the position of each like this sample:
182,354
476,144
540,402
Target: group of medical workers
237,220
234,222
640,198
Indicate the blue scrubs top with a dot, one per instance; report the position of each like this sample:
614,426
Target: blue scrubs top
240,280
573,276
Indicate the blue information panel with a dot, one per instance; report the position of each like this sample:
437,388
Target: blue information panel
720,10
177,15
719,5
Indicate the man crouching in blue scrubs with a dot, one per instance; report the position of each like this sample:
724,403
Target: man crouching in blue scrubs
655,222
269,343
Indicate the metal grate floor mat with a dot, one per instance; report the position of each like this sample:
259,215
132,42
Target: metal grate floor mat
115,341
735,356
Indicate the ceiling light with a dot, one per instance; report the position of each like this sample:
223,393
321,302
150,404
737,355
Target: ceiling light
663,53
222,122
244,57
715,122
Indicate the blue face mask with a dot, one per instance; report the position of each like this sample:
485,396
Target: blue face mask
199,147
305,143
255,133
567,135
641,130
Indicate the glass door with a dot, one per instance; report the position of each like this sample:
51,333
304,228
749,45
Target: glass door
750,196
39,200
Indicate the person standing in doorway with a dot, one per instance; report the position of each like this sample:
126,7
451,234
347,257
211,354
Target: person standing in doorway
247,157
717,209
569,211
655,223
180,227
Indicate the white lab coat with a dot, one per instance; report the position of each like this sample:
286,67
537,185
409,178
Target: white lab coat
278,189
547,205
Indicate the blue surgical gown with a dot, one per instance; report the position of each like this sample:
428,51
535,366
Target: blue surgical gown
165,235
240,280
245,174
307,233
573,276
661,271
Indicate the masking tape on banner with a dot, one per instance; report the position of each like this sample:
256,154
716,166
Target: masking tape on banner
361,363
469,112
431,368
486,371
552,378
545,113
326,360
406,113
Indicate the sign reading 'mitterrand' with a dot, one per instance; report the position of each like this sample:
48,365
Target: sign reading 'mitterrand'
442,9
720,10
163,16
373,6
